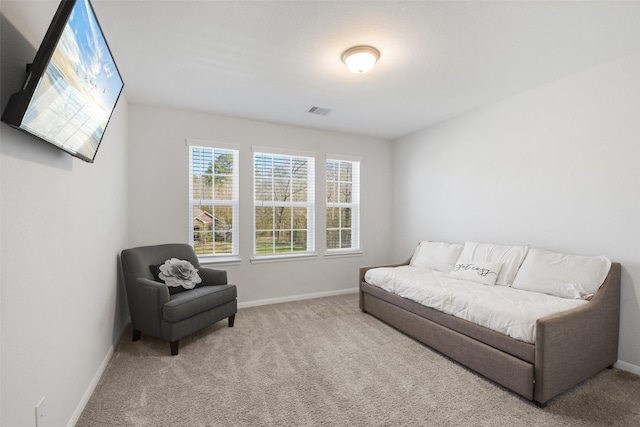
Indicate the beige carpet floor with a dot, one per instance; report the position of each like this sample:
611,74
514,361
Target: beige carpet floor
323,363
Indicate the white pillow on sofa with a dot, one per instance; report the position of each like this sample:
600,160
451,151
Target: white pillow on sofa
477,271
510,256
440,256
566,276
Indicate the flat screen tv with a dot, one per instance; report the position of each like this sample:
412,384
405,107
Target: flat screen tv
72,86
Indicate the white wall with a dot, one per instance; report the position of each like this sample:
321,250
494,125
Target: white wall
158,202
63,222
555,167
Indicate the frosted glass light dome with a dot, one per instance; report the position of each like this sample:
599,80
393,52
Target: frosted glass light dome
361,59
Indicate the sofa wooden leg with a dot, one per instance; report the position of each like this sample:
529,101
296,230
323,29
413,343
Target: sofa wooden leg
136,335
232,318
174,347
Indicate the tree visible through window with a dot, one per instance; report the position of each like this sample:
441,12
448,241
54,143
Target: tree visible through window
283,204
213,200
343,204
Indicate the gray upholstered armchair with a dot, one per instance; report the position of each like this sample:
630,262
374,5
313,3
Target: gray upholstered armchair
171,316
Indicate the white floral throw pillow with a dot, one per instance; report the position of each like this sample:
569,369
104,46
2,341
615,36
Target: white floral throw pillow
176,272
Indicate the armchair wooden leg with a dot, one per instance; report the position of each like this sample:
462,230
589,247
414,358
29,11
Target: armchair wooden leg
232,318
174,347
136,335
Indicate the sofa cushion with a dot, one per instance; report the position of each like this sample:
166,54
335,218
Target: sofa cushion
194,301
510,311
510,256
440,256
562,275
477,271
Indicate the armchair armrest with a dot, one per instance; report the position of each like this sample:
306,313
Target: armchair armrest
151,286
212,276
146,298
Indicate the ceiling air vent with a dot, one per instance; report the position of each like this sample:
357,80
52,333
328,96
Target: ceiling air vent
319,111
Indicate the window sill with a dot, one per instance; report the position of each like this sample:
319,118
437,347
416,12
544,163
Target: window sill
281,258
210,261
343,254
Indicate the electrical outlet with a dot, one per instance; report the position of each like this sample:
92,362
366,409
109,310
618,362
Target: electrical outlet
40,413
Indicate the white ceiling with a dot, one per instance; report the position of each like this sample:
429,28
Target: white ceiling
273,60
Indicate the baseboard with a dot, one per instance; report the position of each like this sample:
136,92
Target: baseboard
92,387
634,369
96,378
268,301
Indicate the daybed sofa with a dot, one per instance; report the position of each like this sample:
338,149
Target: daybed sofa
566,347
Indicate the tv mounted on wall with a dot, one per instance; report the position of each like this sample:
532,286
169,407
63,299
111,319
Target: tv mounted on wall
72,87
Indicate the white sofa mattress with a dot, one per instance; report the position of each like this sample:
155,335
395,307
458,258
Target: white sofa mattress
512,312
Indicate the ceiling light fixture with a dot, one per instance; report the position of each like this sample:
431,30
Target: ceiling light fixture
361,59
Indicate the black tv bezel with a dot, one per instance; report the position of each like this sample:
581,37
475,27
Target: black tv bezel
19,101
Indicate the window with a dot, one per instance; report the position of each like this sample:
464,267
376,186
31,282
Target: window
283,203
343,204
213,200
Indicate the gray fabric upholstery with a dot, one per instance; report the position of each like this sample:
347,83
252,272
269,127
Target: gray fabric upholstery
155,312
570,346
519,349
186,304
175,331
574,345
511,372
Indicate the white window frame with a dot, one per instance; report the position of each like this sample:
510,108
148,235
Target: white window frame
233,203
310,205
354,205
